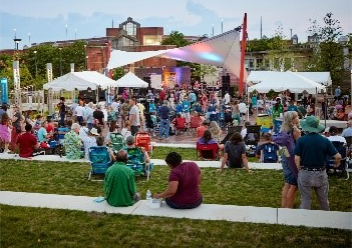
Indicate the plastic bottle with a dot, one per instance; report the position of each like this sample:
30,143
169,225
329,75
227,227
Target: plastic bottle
149,196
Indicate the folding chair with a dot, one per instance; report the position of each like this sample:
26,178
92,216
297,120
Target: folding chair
142,139
136,161
117,141
100,161
340,147
208,151
194,124
180,125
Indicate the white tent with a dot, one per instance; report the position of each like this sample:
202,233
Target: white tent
223,50
281,81
318,77
80,81
131,80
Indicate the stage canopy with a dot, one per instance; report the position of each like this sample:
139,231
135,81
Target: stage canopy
130,80
318,77
292,81
80,81
223,50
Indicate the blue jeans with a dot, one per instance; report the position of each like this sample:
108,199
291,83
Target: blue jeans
89,125
62,116
164,127
318,180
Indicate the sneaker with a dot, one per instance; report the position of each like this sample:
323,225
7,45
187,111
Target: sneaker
167,139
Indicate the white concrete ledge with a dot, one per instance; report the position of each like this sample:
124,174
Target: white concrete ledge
294,217
202,164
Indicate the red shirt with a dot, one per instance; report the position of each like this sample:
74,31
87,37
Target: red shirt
162,95
200,131
26,142
187,175
49,128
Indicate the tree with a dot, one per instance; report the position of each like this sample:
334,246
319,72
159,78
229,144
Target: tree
175,38
329,55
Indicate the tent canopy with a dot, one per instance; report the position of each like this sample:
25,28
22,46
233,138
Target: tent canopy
130,80
223,50
80,81
318,77
292,81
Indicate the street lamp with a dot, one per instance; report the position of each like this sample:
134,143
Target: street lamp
29,39
85,57
35,61
60,62
66,30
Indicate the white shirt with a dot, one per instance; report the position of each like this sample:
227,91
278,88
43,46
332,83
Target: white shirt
337,138
227,98
135,111
115,106
79,110
242,107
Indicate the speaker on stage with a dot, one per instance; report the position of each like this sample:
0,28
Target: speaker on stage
148,80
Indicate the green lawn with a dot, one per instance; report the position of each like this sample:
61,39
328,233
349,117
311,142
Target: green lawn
235,187
35,227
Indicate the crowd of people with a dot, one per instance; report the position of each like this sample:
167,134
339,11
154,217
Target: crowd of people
85,125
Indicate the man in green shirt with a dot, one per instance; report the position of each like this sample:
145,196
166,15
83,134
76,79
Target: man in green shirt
119,183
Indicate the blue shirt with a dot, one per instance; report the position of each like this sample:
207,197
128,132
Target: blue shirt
186,106
313,149
164,112
42,134
337,92
292,108
347,132
192,97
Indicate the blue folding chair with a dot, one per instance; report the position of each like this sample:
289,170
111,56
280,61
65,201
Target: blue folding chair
100,161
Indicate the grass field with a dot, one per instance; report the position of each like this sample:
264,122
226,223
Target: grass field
35,227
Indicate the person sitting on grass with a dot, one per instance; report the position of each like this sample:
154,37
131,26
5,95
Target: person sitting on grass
184,181
28,145
130,142
268,152
73,143
202,128
42,134
235,153
119,183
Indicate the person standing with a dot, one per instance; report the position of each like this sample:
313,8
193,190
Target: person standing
290,129
79,110
17,128
310,157
337,92
278,109
62,110
88,115
164,112
134,117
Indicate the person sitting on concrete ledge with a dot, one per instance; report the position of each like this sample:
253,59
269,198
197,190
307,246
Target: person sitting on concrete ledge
184,181
119,183
28,145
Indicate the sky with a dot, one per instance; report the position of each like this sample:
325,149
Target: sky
38,21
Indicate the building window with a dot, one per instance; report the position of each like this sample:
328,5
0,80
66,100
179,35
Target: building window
130,28
123,41
152,39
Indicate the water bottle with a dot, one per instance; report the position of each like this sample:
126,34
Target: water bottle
149,197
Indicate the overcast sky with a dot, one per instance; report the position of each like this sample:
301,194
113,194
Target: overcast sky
46,20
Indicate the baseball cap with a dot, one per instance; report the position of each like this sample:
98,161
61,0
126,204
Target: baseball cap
129,140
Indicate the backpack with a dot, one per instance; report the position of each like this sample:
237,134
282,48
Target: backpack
270,153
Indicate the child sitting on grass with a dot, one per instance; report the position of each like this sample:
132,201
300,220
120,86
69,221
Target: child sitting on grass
268,152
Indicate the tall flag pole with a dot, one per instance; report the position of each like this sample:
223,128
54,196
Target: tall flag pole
243,54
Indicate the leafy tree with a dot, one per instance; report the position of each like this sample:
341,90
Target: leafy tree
175,38
118,73
329,55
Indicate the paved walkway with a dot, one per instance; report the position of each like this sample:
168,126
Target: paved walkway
292,217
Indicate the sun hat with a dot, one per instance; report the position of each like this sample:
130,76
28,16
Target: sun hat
94,131
311,125
129,140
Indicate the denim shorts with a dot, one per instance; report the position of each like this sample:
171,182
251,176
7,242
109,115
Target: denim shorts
289,174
